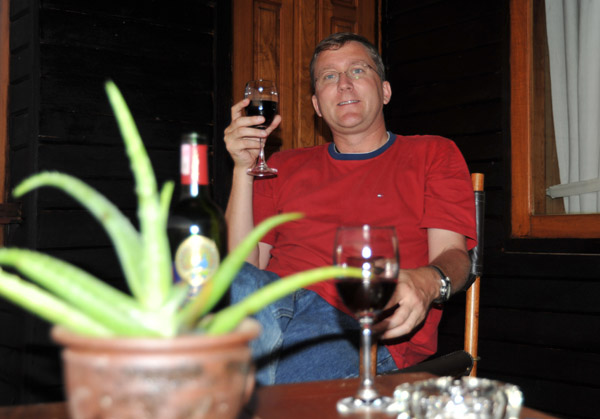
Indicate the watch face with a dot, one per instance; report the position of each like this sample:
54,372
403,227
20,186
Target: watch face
445,290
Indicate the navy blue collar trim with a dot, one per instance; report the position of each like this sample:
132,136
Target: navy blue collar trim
360,156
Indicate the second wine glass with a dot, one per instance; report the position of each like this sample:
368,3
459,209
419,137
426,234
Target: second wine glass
375,250
264,101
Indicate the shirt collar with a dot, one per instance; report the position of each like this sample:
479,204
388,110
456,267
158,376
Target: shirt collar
361,156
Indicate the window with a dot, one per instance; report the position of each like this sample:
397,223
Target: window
533,161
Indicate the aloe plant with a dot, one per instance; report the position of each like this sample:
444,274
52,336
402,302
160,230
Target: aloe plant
66,295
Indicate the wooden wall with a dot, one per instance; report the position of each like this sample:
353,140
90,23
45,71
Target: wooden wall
169,59
540,325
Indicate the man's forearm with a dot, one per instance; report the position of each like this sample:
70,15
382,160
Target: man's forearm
239,214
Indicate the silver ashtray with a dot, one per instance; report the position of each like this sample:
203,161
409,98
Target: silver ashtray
465,398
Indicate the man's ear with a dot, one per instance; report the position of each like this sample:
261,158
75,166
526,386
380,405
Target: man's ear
315,103
387,92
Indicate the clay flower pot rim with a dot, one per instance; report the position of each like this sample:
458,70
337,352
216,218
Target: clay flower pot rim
247,330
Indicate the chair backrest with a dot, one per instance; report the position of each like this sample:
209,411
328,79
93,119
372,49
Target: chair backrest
472,302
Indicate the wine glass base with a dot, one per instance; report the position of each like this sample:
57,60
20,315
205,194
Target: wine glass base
351,405
264,171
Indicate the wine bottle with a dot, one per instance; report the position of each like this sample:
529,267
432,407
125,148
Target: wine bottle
196,227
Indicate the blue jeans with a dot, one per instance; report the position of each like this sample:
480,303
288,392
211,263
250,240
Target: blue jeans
304,338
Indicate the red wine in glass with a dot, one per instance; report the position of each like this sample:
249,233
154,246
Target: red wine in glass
266,108
365,297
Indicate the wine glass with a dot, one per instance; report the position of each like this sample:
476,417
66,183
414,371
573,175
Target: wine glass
375,250
263,101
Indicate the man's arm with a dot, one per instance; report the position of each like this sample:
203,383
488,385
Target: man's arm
418,288
239,215
242,142
448,251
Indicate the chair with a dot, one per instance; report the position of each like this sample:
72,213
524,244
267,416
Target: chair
472,301
462,362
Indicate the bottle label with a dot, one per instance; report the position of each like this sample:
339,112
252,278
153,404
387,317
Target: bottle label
196,260
194,164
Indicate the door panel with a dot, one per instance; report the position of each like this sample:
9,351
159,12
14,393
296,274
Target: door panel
274,40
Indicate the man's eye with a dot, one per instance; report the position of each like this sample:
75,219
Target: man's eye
328,76
357,71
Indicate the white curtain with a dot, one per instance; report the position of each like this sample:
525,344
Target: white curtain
573,28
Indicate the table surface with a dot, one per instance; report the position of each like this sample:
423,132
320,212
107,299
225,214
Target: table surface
289,401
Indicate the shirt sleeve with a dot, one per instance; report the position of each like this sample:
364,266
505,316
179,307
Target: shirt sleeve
449,198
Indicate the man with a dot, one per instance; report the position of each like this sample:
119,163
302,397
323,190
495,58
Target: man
418,184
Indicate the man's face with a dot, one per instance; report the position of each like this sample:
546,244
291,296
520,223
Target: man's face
350,106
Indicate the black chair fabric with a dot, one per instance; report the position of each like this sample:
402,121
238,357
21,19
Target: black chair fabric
454,364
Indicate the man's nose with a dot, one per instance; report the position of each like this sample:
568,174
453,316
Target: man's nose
345,81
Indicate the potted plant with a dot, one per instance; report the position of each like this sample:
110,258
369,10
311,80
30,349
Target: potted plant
147,354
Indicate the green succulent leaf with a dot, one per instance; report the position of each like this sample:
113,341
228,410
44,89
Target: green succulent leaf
227,319
48,307
166,195
156,255
80,290
122,234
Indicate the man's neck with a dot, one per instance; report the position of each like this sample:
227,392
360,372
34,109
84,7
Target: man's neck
359,143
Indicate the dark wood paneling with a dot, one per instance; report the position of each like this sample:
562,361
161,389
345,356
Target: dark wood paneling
449,122
128,36
479,147
70,229
435,69
181,13
419,16
565,400
104,161
450,93
450,39
87,95
77,62
57,126
20,95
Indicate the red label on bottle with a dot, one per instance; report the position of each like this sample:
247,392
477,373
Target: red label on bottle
194,164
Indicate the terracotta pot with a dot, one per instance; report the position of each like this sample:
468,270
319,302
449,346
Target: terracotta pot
135,378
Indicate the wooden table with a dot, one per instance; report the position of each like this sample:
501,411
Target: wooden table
289,401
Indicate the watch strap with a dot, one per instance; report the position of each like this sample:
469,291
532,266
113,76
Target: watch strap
445,286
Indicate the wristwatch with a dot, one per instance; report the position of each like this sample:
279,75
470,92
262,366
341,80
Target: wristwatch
445,286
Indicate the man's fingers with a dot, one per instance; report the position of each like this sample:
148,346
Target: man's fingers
237,109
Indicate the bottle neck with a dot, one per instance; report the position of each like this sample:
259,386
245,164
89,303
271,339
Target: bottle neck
194,171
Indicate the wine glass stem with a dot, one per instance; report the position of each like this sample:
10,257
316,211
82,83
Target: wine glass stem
367,389
261,153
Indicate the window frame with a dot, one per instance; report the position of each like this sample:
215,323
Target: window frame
524,224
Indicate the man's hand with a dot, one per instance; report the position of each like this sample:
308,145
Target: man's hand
241,140
417,288
415,291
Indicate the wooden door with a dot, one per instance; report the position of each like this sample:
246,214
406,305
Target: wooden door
274,39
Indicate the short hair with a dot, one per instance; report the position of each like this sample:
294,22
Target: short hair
338,40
